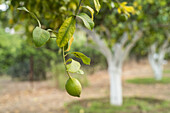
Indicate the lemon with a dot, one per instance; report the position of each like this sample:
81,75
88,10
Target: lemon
73,87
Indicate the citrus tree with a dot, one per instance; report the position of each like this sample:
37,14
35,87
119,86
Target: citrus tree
8,50
156,55
63,32
17,58
156,33
114,37
159,34
115,50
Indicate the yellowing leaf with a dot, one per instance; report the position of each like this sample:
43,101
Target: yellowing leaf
129,8
71,41
140,7
66,31
123,3
97,5
127,13
119,10
125,9
135,4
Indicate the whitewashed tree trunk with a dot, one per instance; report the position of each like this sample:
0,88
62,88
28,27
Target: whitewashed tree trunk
156,66
115,74
158,73
156,58
115,61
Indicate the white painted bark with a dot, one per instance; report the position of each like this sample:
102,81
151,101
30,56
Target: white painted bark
156,58
115,61
115,73
156,65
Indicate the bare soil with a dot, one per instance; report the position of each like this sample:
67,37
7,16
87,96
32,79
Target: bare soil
42,97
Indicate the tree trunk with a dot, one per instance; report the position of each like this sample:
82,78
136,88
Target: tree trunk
115,58
156,57
115,73
158,73
156,66
31,69
31,75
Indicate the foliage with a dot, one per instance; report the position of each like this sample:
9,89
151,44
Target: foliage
9,50
154,23
81,44
164,80
15,54
58,70
145,18
63,32
63,35
131,105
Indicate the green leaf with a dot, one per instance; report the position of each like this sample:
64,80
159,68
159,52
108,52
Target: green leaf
23,9
97,5
73,67
86,60
86,2
32,14
88,22
80,72
90,9
66,31
40,36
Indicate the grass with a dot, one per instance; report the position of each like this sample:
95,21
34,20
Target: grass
130,105
165,80
166,71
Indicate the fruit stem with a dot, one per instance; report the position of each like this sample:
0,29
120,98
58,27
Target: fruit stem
65,64
66,54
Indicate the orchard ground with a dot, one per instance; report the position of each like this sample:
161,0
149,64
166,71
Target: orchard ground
43,97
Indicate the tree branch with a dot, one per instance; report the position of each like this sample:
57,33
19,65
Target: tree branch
164,48
137,36
165,45
107,32
153,48
118,54
91,46
102,47
124,39
167,50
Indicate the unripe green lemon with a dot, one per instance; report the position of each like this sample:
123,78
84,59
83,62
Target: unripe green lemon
123,17
73,87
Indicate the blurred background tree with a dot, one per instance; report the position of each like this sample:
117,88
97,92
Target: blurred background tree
154,18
